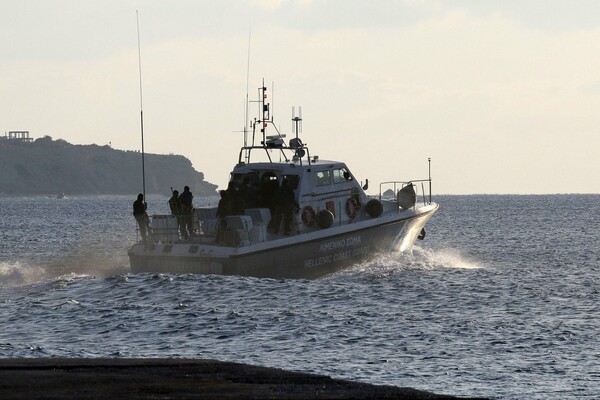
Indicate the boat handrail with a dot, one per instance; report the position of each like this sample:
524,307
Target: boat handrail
424,193
245,153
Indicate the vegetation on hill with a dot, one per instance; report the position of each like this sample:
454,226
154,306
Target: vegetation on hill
47,166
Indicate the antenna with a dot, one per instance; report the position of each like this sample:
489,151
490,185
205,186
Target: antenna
429,162
296,143
272,105
247,99
264,110
297,121
141,105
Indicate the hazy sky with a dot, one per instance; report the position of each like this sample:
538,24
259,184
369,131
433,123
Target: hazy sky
504,96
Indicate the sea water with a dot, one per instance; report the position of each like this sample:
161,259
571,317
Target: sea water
501,299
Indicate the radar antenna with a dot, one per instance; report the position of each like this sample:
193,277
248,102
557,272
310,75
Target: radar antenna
297,121
296,143
263,111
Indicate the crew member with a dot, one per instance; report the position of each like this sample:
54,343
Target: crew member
175,207
237,199
139,213
285,207
223,210
185,199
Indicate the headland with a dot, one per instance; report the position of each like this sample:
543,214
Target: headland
51,167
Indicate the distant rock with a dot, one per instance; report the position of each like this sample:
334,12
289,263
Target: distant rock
47,166
389,194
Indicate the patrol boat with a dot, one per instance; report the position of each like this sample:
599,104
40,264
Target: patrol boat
330,224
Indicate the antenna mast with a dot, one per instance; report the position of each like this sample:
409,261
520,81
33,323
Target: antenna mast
264,110
297,121
247,99
141,106
429,162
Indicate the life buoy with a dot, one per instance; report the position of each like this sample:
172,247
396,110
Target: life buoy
325,219
374,208
309,216
352,207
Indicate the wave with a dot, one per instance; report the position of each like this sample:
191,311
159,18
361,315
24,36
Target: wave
441,258
385,264
18,274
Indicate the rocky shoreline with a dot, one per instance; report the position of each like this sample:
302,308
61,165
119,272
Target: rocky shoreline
101,378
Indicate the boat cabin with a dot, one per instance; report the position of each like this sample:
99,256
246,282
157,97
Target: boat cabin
325,192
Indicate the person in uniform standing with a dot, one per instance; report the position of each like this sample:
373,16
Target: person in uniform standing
139,213
223,211
175,206
289,206
185,199
285,205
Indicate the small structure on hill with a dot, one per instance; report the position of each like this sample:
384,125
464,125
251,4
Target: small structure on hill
18,136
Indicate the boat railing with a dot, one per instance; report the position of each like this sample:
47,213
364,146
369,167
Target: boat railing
299,154
165,228
422,187
138,234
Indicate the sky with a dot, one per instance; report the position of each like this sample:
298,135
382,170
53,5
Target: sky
503,96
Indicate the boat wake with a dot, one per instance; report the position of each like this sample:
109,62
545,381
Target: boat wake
78,263
87,263
440,258
17,274
385,264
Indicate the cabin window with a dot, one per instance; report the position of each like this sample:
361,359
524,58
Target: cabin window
322,178
293,181
251,179
341,175
237,179
269,178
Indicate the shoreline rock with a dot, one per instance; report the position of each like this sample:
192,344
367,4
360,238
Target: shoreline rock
102,378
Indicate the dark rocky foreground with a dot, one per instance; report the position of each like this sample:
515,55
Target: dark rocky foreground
54,378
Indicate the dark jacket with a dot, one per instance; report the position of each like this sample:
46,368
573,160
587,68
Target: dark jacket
139,208
175,205
185,199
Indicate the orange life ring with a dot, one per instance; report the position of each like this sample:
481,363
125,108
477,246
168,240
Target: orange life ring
352,207
309,216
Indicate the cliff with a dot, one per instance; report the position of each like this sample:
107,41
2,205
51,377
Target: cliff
47,166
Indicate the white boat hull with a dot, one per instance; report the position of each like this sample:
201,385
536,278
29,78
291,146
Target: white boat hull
307,255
